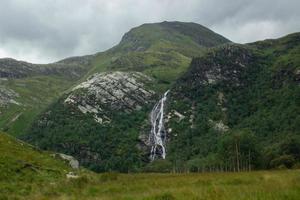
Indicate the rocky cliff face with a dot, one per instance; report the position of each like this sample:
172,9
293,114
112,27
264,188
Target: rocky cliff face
209,80
7,96
226,66
107,92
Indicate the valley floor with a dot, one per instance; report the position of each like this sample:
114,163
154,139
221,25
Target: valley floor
247,185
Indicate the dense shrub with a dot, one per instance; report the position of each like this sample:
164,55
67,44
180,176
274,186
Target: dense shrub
158,166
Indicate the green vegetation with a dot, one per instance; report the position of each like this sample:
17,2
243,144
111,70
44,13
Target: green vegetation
160,50
274,185
35,95
254,91
25,170
35,87
185,38
99,147
28,173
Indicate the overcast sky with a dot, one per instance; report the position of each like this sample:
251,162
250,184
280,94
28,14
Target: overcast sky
43,31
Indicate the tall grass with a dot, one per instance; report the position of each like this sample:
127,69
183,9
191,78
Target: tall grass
271,185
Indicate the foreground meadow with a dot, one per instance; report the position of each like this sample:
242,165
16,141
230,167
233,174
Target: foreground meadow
247,185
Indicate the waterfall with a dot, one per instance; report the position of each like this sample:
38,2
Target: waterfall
157,135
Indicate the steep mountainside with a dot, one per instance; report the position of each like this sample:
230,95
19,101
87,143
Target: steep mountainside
240,108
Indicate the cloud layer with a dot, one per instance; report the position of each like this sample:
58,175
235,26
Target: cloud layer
49,30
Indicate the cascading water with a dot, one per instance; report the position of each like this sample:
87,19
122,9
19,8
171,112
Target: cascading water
157,135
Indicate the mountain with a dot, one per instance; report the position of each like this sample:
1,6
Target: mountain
27,89
160,50
167,36
113,99
228,107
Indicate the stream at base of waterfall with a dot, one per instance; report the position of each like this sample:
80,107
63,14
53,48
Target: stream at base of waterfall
157,135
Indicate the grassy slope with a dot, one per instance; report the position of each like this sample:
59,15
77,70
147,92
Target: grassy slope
160,50
36,93
283,51
37,86
26,173
24,170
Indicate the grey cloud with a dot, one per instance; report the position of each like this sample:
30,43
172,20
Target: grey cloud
48,30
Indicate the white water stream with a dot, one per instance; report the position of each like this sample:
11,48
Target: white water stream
157,135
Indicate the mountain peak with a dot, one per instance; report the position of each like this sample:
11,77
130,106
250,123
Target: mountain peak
149,35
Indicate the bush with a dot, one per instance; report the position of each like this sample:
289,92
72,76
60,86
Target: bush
296,166
283,161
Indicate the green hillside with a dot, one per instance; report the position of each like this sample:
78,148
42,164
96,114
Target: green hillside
185,38
160,50
241,108
34,94
27,89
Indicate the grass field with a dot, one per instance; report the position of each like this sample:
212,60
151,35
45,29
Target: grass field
254,185
28,173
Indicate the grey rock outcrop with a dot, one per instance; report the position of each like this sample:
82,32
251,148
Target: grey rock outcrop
7,96
111,91
72,161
